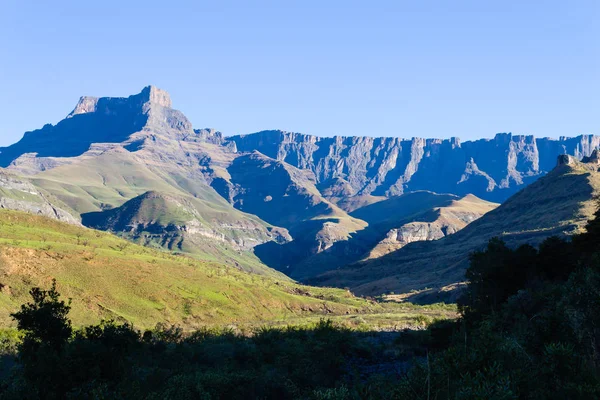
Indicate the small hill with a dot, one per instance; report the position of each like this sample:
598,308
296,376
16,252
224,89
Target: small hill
110,278
189,225
559,203
423,216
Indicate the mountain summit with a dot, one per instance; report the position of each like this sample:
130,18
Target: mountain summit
150,94
101,120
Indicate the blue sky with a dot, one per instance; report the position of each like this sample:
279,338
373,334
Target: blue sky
398,68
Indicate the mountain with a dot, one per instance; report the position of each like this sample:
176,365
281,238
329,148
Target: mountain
159,152
301,204
370,166
559,203
287,197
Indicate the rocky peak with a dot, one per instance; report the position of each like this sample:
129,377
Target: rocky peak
156,96
209,135
86,104
123,120
150,95
592,159
565,159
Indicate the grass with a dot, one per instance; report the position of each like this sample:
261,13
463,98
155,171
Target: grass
110,278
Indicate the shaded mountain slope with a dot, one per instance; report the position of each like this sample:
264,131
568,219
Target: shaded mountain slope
277,192
560,203
395,222
286,196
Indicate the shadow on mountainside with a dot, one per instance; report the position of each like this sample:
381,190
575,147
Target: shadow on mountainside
299,261
558,204
73,136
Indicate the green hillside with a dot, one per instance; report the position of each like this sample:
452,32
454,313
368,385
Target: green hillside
99,185
108,277
180,223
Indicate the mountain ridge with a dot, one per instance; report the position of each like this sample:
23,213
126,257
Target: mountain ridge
492,169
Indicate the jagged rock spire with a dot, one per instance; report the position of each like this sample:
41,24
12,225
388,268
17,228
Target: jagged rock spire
157,96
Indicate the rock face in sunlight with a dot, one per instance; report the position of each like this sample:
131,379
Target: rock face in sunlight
492,169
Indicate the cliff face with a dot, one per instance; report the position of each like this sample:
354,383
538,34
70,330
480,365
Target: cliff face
492,169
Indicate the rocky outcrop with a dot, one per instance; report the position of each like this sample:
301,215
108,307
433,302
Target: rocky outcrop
592,159
21,195
492,169
440,222
209,135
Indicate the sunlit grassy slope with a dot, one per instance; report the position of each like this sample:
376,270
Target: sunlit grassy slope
108,277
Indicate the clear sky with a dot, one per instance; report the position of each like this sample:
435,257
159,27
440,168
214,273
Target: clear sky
398,68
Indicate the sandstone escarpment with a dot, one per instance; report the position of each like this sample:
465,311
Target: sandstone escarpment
492,169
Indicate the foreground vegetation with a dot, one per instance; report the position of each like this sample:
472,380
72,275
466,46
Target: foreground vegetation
322,360
529,329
